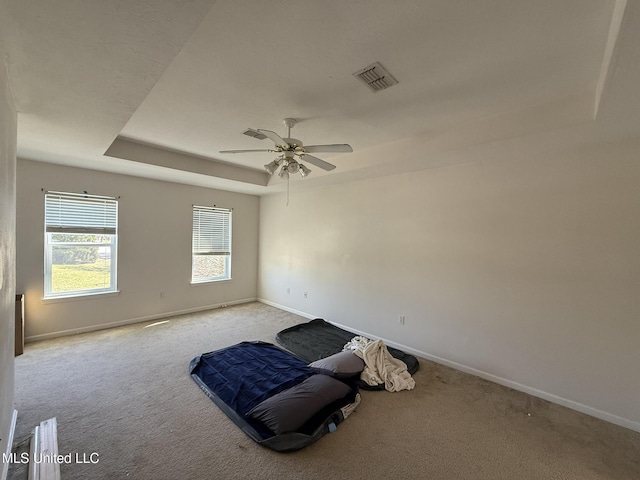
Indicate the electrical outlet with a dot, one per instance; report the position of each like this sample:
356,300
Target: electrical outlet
401,319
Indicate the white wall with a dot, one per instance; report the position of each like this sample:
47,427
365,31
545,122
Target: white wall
7,256
154,249
523,270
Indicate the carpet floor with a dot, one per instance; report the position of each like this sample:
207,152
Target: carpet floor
125,395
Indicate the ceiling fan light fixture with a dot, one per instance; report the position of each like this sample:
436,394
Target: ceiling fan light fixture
293,166
304,171
272,166
284,173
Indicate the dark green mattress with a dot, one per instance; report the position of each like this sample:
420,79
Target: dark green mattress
318,339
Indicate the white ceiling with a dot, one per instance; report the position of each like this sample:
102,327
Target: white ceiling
165,84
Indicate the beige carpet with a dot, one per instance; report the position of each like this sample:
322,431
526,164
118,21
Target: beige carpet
126,394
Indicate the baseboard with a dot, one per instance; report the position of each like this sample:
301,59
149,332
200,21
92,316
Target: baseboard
12,431
287,309
121,323
594,412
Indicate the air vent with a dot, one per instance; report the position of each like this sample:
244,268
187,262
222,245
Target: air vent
254,133
375,77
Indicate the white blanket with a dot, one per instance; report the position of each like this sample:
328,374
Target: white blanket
380,365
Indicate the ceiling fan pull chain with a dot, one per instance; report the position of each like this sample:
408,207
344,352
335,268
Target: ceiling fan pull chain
287,191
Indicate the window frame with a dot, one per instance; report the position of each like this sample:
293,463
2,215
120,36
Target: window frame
224,246
109,228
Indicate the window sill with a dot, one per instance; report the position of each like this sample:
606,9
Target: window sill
209,282
73,298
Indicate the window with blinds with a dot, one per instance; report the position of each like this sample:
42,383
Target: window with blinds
80,244
211,244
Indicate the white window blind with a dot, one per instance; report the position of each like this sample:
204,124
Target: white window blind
80,244
80,213
211,231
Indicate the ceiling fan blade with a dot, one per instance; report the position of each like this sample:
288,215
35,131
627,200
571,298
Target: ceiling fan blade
339,147
317,162
277,139
245,151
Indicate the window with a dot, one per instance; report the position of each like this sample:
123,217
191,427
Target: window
80,244
211,246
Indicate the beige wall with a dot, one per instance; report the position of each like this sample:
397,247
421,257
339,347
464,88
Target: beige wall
522,270
7,256
154,249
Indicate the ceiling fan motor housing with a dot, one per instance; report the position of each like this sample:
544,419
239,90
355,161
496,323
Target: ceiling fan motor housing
293,142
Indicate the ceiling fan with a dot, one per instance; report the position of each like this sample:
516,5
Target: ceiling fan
290,148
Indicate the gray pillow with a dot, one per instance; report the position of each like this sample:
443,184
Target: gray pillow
341,365
289,410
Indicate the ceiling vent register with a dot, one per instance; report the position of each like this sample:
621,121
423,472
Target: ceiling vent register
375,77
